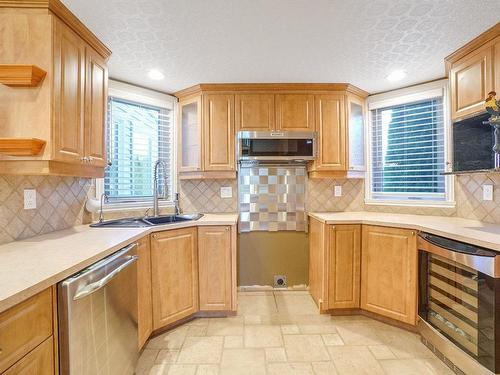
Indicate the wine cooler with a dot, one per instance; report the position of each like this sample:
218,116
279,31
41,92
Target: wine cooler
459,290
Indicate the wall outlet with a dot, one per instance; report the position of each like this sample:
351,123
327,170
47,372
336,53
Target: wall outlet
29,199
337,191
226,192
487,192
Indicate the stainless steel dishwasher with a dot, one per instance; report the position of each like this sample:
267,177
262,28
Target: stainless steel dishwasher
98,317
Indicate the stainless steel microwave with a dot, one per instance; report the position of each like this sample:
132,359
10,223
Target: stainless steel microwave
276,145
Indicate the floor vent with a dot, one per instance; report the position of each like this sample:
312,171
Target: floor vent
280,281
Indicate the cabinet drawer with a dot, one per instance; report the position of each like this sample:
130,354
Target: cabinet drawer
40,361
24,327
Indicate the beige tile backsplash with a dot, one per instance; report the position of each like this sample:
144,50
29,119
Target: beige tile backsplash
60,204
61,201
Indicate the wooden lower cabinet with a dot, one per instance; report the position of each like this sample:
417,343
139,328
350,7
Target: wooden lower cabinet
216,256
344,262
145,302
334,265
317,262
389,273
40,361
174,262
24,327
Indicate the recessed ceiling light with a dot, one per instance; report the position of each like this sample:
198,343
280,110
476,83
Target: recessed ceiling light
156,74
397,75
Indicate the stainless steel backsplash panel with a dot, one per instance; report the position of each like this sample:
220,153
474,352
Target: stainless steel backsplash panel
272,197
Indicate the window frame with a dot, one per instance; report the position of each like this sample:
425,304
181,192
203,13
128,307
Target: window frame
404,96
136,94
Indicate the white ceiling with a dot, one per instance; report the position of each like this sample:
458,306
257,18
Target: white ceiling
356,41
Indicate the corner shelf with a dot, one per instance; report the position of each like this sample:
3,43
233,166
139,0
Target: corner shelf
21,75
21,146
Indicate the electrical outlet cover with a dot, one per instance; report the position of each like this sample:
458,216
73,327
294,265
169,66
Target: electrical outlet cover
487,192
226,192
29,199
338,190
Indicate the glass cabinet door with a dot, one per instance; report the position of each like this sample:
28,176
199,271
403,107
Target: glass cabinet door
356,135
190,135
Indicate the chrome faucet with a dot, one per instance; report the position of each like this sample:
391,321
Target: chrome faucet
155,185
104,197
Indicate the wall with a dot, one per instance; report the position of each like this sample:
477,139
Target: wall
204,196
468,197
60,205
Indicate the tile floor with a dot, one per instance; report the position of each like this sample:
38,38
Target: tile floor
282,333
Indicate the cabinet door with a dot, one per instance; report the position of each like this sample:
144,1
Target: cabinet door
40,361
295,112
497,66
389,273
174,264
330,119
254,112
344,266
190,135
356,133
69,86
145,304
215,271
470,81
317,263
96,102
24,327
218,119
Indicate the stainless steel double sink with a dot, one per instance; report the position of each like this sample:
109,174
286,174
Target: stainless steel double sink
137,222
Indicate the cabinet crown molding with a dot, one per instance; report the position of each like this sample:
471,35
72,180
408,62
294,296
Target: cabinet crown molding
490,34
57,8
270,87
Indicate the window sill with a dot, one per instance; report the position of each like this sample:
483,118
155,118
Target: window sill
423,204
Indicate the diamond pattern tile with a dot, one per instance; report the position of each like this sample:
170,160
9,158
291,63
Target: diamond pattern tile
60,205
204,196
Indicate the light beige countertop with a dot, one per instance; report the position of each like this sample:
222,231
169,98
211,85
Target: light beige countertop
32,265
471,231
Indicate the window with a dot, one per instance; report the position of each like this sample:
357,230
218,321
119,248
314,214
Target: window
139,132
408,149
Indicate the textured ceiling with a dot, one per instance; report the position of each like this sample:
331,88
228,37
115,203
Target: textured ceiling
356,41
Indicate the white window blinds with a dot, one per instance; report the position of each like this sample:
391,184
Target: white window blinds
138,135
408,151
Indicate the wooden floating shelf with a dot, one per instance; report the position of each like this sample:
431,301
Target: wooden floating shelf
21,146
21,75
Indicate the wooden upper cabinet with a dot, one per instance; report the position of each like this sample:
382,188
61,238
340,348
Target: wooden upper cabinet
144,292
295,112
67,109
389,272
254,112
174,261
190,135
331,127
215,256
69,94
355,133
219,136
344,266
471,79
96,98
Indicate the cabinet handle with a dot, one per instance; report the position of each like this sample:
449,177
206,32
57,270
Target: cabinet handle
413,233
227,228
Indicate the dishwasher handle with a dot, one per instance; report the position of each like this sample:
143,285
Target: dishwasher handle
95,286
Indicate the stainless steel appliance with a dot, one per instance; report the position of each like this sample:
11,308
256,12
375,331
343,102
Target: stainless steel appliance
98,317
276,145
458,302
